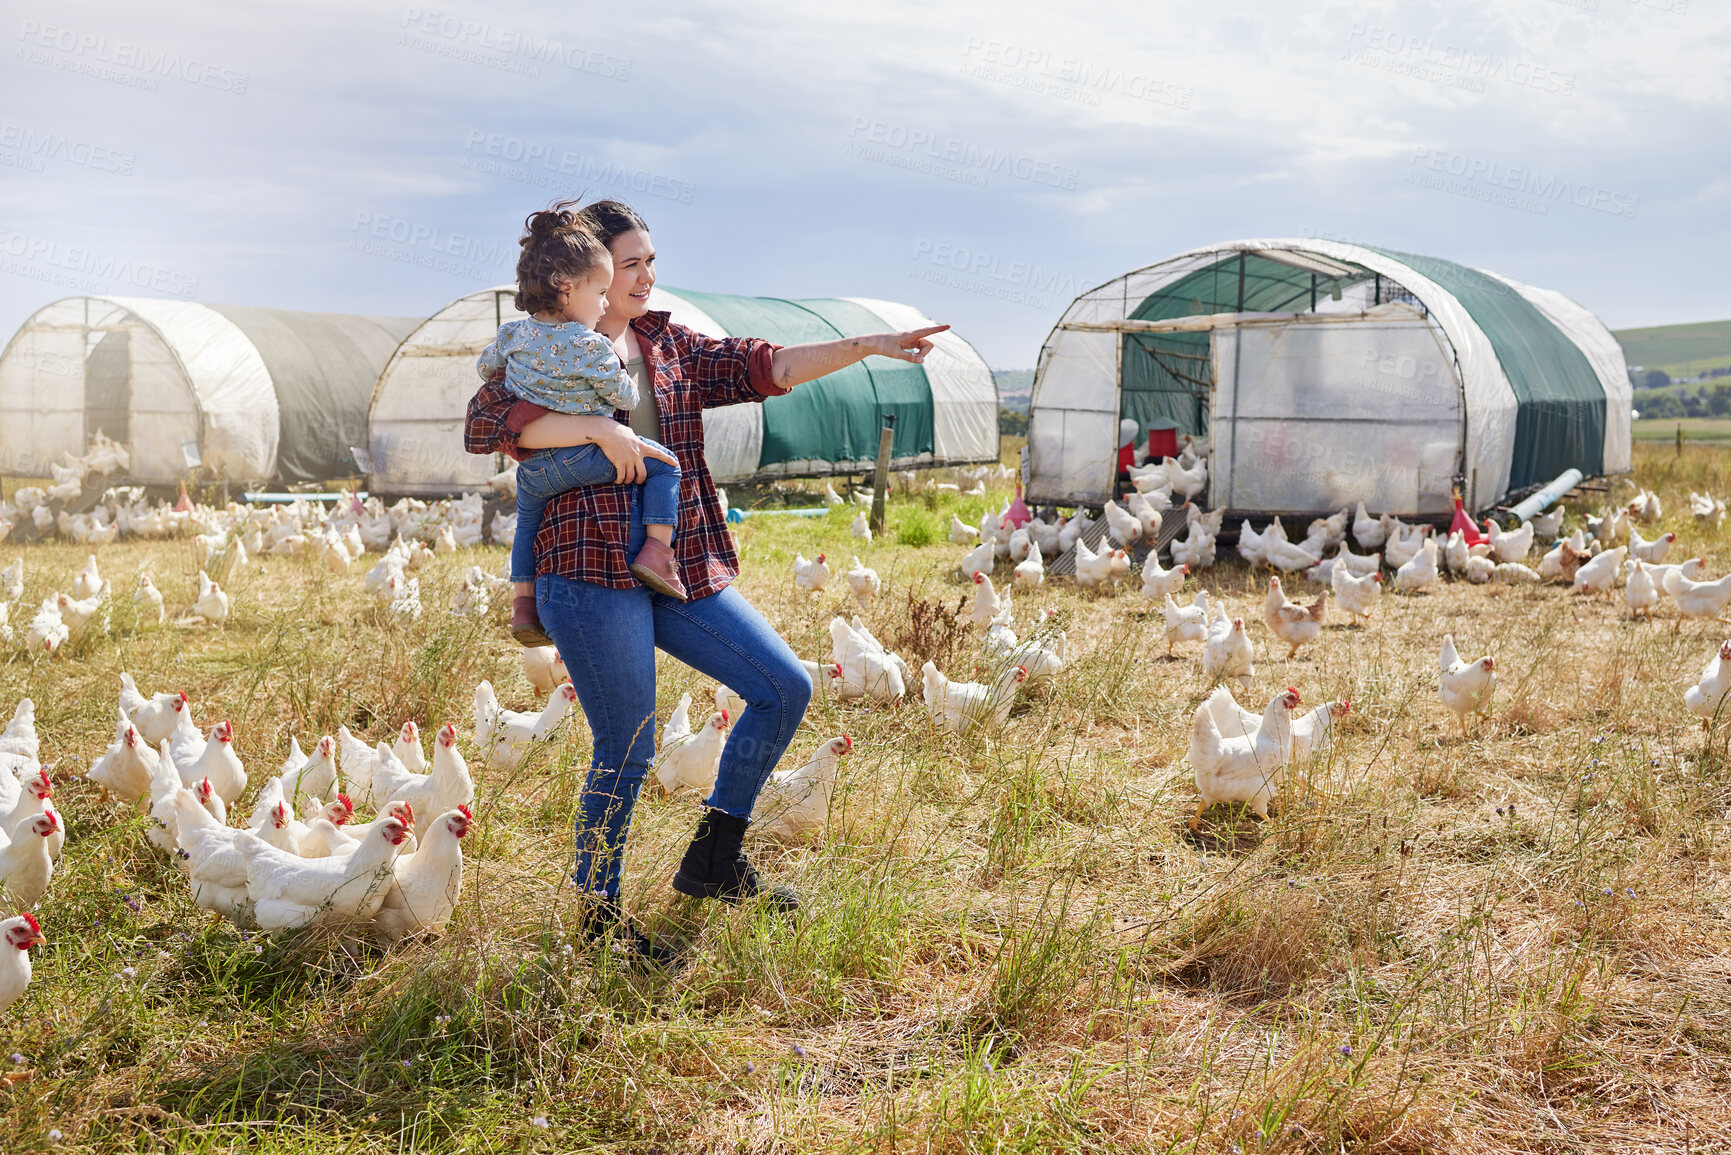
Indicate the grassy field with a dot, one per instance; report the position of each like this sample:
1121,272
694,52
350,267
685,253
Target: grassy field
1513,942
1694,429
1680,350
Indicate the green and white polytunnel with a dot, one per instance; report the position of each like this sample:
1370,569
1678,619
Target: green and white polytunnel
946,410
1323,373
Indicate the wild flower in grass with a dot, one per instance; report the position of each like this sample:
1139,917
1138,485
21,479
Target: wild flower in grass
17,1058
163,955
751,1068
1630,891
55,1136
540,1121
1346,1050
1609,892
128,972
799,1051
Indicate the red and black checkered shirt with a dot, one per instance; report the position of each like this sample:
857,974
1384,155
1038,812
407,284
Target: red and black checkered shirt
583,532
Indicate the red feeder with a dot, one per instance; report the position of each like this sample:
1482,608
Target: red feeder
1464,525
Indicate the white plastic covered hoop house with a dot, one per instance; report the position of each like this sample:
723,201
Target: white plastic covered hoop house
946,410
243,394
1321,373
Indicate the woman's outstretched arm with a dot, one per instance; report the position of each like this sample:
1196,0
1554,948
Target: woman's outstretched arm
796,364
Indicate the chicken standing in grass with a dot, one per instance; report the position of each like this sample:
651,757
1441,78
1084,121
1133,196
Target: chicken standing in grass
1598,575
1241,770
288,892
448,784
17,935
986,601
1158,583
1465,687
1292,623
1311,732
1641,592
12,581
47,633
147,599
958,707
1030,572
506,736
1185,623
1356,595
1418,571
212,605
690,759
89,581
961,533
425,885
1227,652
810,575
864,583
1102,570
127,766
1709,511
27,860
155,717
544,668
795,803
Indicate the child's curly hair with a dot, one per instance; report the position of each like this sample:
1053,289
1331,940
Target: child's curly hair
558,248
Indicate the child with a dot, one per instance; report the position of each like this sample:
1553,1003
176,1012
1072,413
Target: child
555,358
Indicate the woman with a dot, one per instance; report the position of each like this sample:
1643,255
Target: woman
608,626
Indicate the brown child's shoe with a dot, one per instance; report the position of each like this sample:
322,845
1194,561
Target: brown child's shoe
655,567
526,623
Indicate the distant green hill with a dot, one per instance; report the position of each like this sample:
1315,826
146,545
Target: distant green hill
1680,350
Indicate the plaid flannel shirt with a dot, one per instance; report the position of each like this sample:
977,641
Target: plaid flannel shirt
583,532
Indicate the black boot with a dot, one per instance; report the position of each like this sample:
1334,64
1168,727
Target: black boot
602,921
714,866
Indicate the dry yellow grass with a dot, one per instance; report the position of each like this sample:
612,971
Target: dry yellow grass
1515,942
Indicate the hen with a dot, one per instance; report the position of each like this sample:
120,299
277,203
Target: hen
1641,592
961,533
449,784
795,803
866,669
27,860
1356,595
810,575
980,559
1418,571
1160,583
1241,770
148,601
986,601
864,583
288,892
1598,575
12,581
1706,697
47,633
1031,570
686,758
1698,599
1370,532
544,668
1227,653
506,736
17,935
155,718
1709,511
1465,687
89,581
359,761
1652,552
1311,732
1186,623
1094,571
425,884
127,766
1292,623
958,707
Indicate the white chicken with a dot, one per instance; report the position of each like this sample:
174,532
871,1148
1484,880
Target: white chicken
212,605
961,533
1697,599
980,559
1706,698
1122,526
1357,596
1708,510
1227,652
1641,592
1158,583
687,759
147,600
794,804
506,736
448,783
1465,687
544,668
1418,572
156,716
1369,532
47,633
1510,545
986,601
1248,769
866,668
405,607
17,935
1292,623
12,581
861,528
1100,571
1652,552
127,766
1186,623
864,583
288,892
1196,549
810,575
27,860
89,581
314,778
425,885
217,764
1311,732
1598,575
1030,572
958,707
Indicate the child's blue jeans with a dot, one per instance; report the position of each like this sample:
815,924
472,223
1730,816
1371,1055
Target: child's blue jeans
546,473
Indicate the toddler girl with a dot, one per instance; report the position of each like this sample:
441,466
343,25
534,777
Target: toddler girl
555,358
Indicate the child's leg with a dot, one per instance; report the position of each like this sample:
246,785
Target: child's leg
532,498
660,499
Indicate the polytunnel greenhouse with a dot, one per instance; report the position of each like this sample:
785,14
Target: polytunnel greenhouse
1318,374
946,409
243,394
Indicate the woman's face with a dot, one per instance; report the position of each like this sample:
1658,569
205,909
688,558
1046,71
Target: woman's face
633,274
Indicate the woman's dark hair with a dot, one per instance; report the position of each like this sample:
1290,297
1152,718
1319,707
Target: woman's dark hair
609,219
558,248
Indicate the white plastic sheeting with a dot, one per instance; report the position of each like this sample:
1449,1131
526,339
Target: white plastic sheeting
1321,413
1603,353
190,375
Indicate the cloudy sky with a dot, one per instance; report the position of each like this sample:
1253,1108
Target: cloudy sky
984,162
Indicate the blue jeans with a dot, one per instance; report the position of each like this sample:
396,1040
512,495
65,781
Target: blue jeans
608,638
547,473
